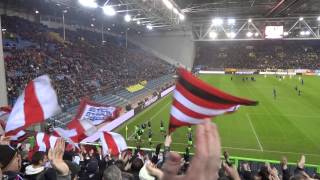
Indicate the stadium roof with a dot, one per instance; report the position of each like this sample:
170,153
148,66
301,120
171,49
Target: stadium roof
155,13
199,10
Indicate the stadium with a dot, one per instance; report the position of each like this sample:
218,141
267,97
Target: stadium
159,89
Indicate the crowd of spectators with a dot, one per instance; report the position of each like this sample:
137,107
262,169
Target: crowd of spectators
79,67
65,162
275,54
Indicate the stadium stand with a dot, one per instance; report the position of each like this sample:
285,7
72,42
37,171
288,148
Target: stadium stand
106,67
259,55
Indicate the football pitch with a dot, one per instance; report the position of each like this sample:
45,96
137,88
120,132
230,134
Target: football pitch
288,125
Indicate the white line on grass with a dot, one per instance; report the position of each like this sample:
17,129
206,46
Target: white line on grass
254,132
155,115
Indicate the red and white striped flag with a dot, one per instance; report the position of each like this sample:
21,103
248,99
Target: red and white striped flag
77,131
112,143
194,100
37,103
44,141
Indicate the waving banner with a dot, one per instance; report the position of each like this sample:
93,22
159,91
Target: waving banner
96,113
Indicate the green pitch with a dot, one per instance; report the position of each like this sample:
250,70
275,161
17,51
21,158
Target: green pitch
286,126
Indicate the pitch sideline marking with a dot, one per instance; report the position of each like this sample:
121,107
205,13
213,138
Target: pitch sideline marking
254,132
155,115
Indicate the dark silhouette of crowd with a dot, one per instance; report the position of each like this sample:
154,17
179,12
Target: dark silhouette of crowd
87,162
269,54
80,66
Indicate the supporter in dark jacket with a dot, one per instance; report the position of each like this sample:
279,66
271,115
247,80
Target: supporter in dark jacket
91,171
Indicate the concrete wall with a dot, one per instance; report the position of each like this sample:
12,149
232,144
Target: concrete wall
3,85
176,47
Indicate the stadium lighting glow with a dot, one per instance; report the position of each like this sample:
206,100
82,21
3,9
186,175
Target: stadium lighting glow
302,33
217,22
285,33
175,10
231,21
138,22
256,34
318,18
127,18
213,35
109,10
168,4
301,18
149,27
231,35
37,12
182,17
249,34
249,20
307,33
88,3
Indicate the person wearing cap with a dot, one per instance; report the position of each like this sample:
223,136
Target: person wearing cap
10,163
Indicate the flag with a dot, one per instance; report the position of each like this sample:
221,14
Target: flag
19,137
194,100
112,143
37,103
44,141
96,113
4,114
2,126
77,131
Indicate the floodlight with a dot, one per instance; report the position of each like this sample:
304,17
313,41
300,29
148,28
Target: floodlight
301,18
217,22
231,35
231,21
182,17
249,34
127,18
307,33
109,10
256,34
250,20
285,33
149,27
213,35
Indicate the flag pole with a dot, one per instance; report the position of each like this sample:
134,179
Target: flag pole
126,132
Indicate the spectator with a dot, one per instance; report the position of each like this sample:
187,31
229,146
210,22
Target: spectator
10,162
37,165
112,173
